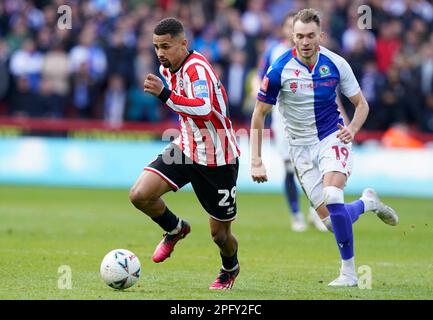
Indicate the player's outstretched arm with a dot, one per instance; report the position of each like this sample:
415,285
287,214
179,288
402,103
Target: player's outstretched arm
258,170
347,133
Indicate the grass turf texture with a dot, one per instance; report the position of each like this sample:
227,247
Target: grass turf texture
44,228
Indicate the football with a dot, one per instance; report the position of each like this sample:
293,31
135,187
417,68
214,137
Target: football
120,269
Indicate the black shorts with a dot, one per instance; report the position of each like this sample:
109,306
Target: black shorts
215,187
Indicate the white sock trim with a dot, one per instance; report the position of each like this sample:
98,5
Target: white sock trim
177,229
232,269
333,195
348,266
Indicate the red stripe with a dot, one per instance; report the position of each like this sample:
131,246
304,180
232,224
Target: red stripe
186,102
232,135
165,72
210,147
191,142
222,136
173,82
175,187
192,73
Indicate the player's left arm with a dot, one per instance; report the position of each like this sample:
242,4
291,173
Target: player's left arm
347,133
341,108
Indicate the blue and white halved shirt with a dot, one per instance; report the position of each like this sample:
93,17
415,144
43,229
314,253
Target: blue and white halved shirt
306,95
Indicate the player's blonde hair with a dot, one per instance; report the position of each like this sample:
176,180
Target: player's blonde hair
307,16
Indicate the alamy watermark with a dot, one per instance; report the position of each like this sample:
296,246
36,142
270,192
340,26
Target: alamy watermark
215,144
365,279
64,282
365,18
65,20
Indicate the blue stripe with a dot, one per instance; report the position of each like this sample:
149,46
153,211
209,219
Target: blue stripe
325,108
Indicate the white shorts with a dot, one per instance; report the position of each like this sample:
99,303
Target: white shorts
313,161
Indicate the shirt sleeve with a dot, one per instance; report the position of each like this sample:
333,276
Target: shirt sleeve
270,86
198,89
348,84
264,64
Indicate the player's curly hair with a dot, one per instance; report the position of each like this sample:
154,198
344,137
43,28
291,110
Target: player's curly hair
308,15
171,26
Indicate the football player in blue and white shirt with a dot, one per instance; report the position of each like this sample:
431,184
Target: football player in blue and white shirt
279,135
304,81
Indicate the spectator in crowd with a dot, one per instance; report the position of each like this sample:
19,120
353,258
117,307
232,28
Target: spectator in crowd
393,96
142,106
4,72
236,75
83,92
23,99
27,62
89,53
115,101
388,44
426,71
120,57
104,43
55,70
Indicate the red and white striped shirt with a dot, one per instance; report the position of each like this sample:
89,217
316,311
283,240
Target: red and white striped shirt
197,95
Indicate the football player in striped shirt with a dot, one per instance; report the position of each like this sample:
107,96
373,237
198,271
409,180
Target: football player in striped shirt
204,154
304,82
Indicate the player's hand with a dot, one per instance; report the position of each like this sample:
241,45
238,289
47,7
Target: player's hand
345,135
153,85
258,172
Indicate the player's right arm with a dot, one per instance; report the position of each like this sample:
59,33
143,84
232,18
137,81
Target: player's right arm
267,97
199,90
258,170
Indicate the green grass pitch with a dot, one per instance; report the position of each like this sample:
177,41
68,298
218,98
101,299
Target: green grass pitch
42,229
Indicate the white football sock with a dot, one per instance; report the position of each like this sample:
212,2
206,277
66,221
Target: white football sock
348,266
369,205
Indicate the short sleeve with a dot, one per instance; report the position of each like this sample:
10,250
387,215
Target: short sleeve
348,84
270,86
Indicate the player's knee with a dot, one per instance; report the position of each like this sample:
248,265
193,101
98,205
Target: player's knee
139,198
333,195
219,237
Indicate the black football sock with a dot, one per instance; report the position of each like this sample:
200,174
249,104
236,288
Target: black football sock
167,221
230,263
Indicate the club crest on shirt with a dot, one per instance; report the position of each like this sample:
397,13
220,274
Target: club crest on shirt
201,89
324,70
181,84
293,86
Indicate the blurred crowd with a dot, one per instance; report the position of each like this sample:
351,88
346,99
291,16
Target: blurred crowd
96,68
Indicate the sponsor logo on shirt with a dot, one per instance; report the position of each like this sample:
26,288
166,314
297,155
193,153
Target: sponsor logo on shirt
324,70
317,84
201,89
293,86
